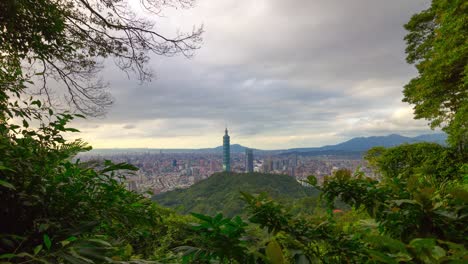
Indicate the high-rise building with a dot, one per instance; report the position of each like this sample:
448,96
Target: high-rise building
293,161
292,172
249,160
226,152
213,165
268,165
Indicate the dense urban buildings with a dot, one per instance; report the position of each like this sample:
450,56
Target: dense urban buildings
249,167
226,152
162,172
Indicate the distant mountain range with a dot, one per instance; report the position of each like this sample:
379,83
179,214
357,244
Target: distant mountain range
361,144
354,146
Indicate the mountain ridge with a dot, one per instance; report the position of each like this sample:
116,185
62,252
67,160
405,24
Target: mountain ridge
356,144
365,143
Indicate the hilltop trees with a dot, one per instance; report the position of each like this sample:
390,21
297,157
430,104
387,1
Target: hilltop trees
437,43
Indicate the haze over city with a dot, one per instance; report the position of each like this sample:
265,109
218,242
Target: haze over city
279,74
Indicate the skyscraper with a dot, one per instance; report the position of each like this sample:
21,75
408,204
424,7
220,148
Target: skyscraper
226,152
248,160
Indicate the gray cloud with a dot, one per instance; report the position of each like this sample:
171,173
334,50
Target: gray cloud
298,72
128,126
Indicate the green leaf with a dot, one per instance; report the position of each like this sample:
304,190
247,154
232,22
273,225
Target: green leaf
128,250
7,256
25,254
202,217
43,227
378,241
312,180
403,201
68,240
37,249
218,218
119,166
420,243
47,241
274,253
438,252
5,168
301,259
400,256
382,257
64,243
71,129
100,242
7,185
36,102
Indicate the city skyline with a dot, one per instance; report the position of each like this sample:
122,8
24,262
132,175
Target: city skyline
161,172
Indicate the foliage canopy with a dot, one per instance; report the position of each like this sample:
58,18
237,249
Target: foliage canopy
437,43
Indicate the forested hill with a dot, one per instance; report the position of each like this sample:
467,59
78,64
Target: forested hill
221,192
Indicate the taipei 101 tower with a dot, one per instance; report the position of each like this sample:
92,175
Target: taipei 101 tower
226,152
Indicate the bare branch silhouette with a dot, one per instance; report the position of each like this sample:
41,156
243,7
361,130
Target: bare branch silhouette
69,39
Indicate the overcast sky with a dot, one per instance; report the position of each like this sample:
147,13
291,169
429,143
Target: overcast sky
279,74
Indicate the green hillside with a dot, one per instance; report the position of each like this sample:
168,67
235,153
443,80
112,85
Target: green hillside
221,192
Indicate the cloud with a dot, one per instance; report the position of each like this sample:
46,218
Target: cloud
128,126
278,73
399,121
